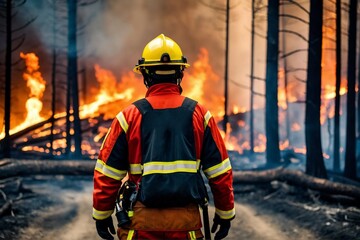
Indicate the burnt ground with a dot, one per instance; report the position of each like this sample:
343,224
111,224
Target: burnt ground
49,207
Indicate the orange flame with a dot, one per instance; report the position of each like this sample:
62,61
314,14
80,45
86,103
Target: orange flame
36,85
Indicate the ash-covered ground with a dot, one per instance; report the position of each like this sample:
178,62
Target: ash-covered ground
59,207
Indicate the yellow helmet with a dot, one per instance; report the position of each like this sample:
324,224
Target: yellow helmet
161,50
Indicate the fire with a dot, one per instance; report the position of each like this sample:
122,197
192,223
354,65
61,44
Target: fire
200,83
201,80
36,85
110,91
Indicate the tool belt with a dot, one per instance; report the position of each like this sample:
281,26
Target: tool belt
168,219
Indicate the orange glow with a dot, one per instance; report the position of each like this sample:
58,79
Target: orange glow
295,127
36,85
200,80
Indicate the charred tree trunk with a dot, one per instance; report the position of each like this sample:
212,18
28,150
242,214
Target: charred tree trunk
336,165
72,74
252,145
287,117
226,67
272,110
53,81
314,157
350,151
45,167
298,178
8,57
358,94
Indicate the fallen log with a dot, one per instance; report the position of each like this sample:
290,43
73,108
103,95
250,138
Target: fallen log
86,167
47,167
298,178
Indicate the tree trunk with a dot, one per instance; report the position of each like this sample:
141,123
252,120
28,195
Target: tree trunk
252,145
53,81
336,165
350,151
15,168
287,117
226,67
314,157
298,178
72,74
7,100
272,110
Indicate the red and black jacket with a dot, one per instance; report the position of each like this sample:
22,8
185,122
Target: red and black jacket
177,138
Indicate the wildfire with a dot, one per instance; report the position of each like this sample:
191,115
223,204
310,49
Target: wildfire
36,85
200,83
201,80
109,92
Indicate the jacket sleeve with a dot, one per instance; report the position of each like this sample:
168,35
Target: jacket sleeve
111,167
217,168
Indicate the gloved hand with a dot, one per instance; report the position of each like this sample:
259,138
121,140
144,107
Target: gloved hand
224,227
103,227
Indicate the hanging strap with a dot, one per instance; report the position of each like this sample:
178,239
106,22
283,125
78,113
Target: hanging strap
189,104
143,105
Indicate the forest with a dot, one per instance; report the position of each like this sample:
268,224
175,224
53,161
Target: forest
280,77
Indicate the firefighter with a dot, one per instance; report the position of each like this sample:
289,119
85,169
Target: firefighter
162,143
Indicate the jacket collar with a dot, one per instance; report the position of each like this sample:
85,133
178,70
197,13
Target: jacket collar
163,89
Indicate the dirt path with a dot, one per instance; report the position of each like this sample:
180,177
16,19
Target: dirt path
72,219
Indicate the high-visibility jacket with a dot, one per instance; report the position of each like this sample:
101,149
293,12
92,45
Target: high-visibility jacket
122,152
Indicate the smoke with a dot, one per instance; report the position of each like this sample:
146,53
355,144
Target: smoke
113,34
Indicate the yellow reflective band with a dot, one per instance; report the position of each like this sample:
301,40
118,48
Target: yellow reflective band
170,167
207,118
107,134
225,214
192,235
121,118
136,168
130,234
109,171
218,169
99,215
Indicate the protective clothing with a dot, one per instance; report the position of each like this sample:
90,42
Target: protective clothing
123,153
103,227
162,143
160,51
224,227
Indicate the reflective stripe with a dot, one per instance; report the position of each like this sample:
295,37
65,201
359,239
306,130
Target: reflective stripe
218,169
130,234
170,167
107,134
225,214
135,168
109,171
192,235
207,118
99,215
121,118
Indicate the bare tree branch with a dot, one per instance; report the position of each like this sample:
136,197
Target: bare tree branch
87,3
25,25
295,70
300,80
293,52
239,84
299,6
295,33
22,39
294,17
258,94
